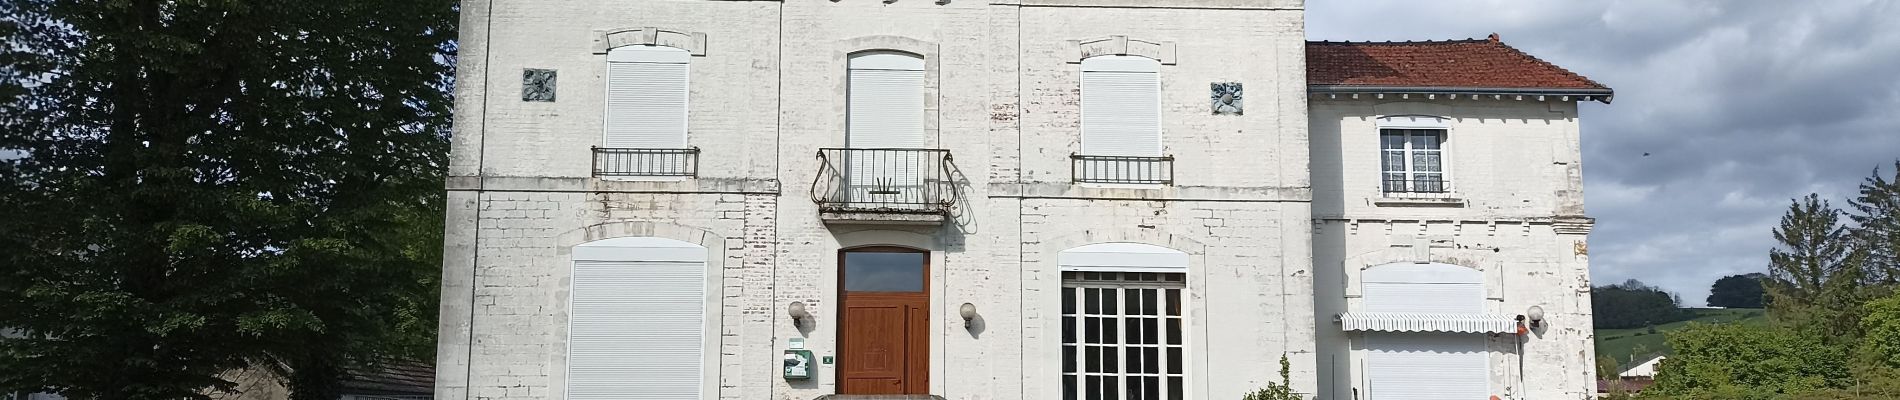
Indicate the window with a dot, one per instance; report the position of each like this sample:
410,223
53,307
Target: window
637,315
1121,122
1404,362
1122,336
645,133
1413,160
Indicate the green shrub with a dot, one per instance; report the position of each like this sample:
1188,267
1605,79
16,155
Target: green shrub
1747,362
1282,390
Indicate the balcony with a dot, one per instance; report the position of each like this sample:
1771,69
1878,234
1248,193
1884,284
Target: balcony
884,186
1122,169
625,163
1417,192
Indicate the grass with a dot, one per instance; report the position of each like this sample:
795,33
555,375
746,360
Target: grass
1638,344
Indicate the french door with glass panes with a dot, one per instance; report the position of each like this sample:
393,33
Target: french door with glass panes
1412,160
1123,336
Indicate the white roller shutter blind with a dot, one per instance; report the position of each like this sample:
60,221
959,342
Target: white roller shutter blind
1426,366
1424,288
886,96
886,111
646,97
1121,106
636,330
1437,298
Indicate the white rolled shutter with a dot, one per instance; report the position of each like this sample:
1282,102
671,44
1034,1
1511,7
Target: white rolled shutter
1418,365
886,96
637,324
1426,366
1437,298
1121,106
886,111
646,97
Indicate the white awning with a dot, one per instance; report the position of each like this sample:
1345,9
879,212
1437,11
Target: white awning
1428,322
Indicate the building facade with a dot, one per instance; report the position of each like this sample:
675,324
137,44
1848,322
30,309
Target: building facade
1008,199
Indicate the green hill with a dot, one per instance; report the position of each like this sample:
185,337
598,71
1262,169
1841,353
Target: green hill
1638,343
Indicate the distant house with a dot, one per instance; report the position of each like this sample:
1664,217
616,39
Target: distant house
1646,369
387,380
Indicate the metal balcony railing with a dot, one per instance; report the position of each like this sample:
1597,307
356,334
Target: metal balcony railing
1417,188
1122,169
885,180
646,162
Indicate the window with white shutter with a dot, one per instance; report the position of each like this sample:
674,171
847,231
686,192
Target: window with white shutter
637,313
887,159
645,120
1121,122
1425,365
1121,106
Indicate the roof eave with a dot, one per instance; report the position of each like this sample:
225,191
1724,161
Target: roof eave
1602,95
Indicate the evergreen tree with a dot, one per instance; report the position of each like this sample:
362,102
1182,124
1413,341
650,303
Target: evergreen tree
1876,216
199,186
1816,274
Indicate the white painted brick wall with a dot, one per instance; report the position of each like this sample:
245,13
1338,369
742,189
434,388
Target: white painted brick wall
1516,166
769,93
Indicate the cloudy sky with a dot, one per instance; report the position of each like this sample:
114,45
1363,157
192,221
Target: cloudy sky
1742,106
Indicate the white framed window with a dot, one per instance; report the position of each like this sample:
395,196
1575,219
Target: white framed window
1123,336
1121,123
646,97
1412,161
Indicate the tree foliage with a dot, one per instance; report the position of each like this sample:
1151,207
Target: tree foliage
1876,216
1837,319
1817,280
1738,291
1632,304
1716,359
209,185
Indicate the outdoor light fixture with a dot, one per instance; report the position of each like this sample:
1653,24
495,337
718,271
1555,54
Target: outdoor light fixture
968,311
798,313
1536,315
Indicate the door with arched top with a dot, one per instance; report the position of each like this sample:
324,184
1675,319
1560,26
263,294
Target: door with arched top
883,333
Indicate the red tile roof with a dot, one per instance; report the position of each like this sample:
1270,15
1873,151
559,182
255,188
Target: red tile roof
1473,63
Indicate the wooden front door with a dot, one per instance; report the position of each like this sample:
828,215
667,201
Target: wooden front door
883,335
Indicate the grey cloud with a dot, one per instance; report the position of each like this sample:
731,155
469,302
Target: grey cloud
1741,104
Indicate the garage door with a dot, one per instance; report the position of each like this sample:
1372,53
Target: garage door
1426,366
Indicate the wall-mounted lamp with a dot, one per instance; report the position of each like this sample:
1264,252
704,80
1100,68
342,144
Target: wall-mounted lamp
798,313
1536,315
968,311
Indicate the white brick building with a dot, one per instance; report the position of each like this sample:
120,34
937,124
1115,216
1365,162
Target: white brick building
1006,199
